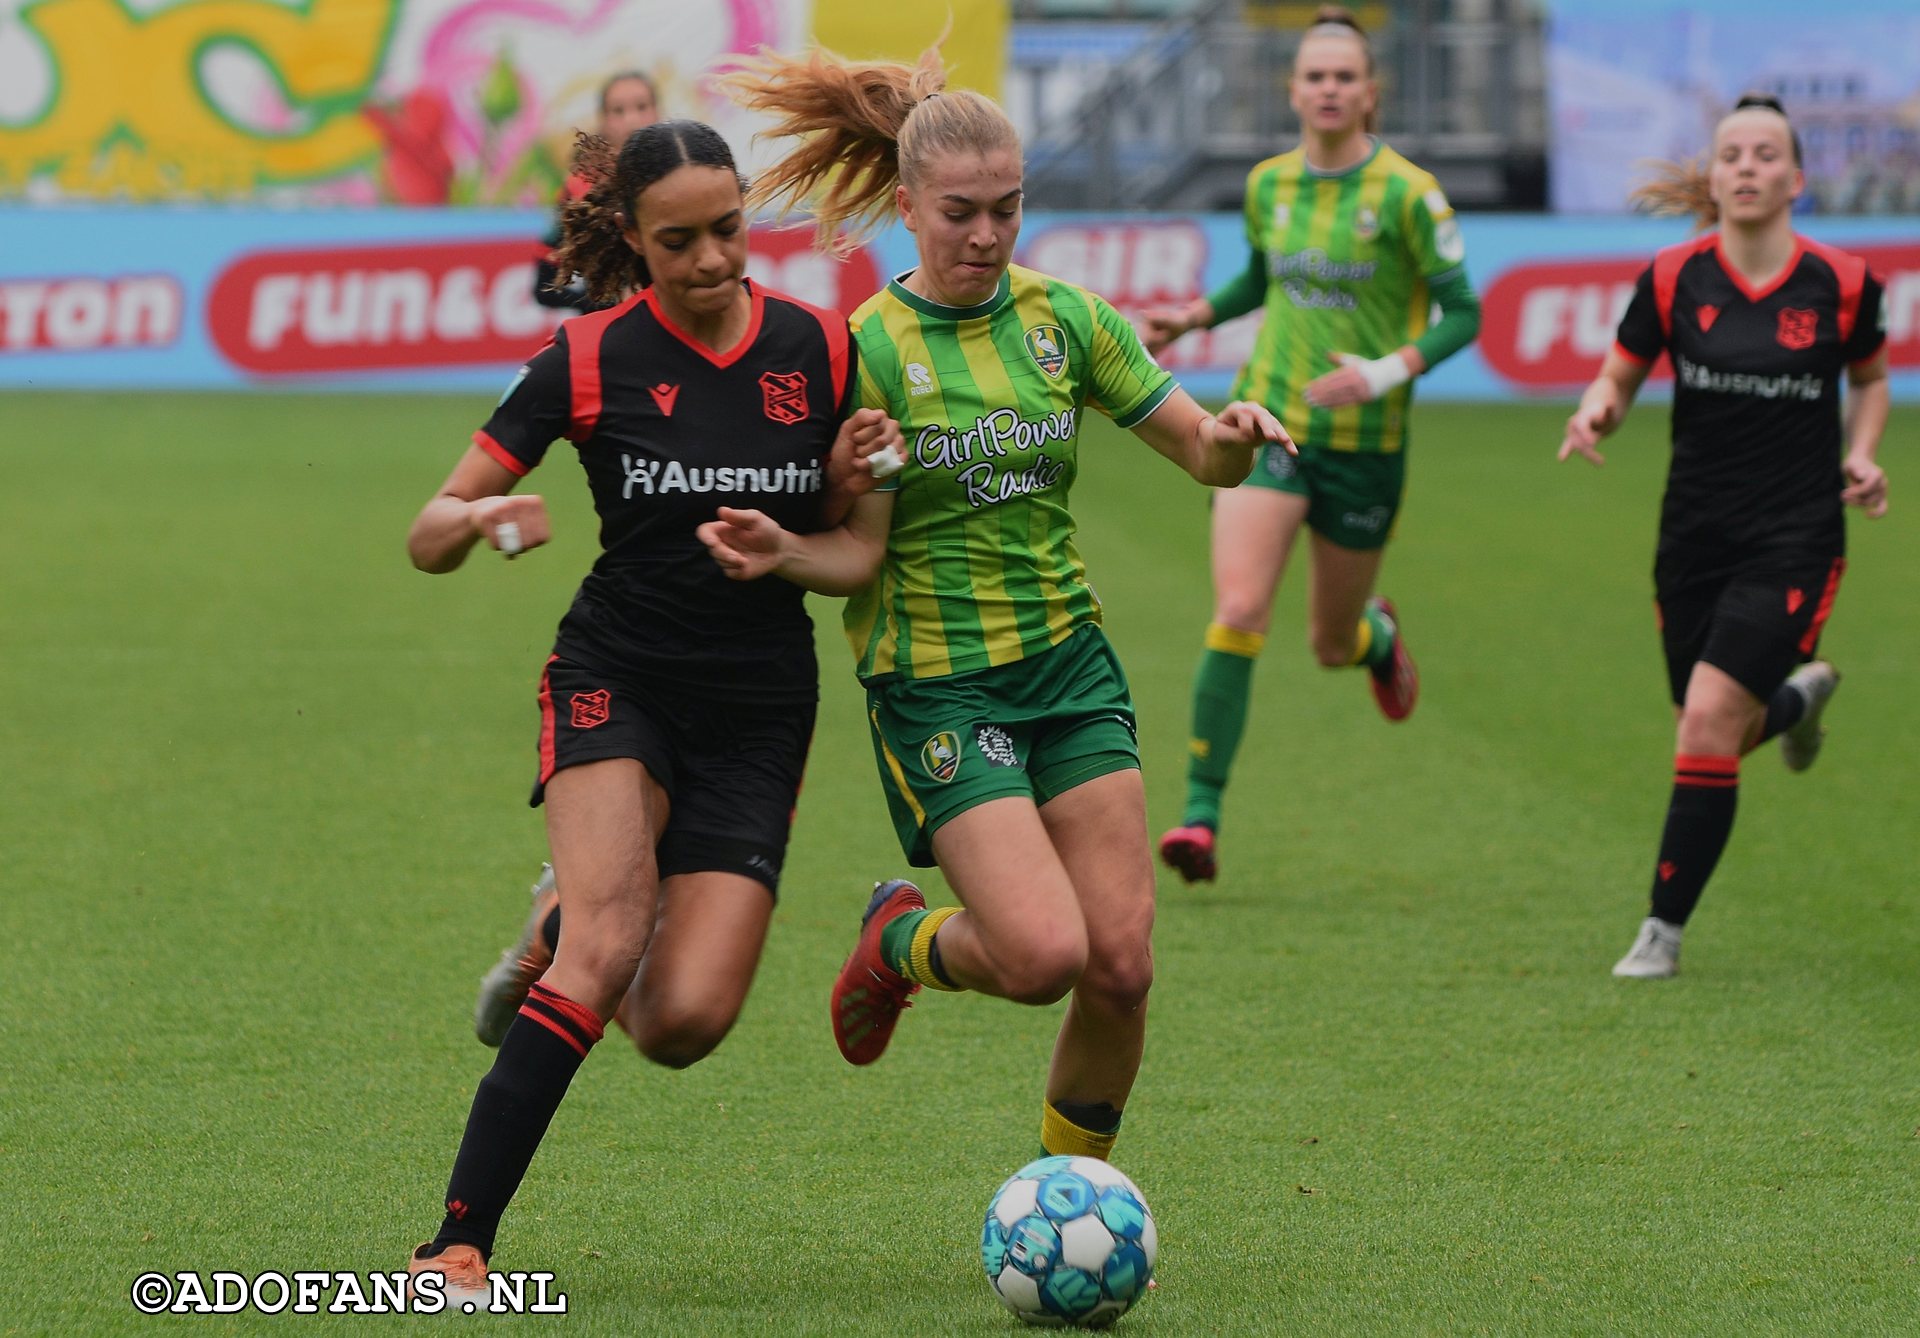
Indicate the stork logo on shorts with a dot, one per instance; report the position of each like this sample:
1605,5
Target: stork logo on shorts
996,745
1797,328
786,395
1047,346
940,755
591,709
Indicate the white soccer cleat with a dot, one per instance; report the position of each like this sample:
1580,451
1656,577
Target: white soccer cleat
504,988
1800,744
1655,954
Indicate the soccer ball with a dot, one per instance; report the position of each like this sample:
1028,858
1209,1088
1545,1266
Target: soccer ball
1068,1240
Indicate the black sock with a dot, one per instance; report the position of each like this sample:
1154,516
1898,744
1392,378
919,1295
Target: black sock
1705,793
550,930
538,1058
1784,710
1098,1117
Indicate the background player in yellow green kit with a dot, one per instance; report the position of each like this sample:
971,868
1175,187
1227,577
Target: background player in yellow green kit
1001,721
1351,247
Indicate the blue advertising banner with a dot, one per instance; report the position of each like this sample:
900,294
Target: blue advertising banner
442,299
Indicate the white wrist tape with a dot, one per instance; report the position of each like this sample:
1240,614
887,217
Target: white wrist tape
506,537
885,464
1380,374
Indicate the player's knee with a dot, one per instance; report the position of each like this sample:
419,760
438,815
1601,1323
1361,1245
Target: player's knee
1117,987
1046,971
682,1039
1242,612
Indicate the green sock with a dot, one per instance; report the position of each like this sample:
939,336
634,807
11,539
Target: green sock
1220,691
896,939
1375,638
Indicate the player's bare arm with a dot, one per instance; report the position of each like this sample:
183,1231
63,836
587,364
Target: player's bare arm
1216,449
474,504
1869,400
1603,406
840,561
867,448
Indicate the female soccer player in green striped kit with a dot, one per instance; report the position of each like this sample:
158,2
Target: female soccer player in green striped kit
1351,247
1001,721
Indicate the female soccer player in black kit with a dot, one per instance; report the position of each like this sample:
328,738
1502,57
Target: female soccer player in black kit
677,706
1760,323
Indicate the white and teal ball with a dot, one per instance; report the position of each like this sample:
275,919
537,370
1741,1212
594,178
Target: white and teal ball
1068,1240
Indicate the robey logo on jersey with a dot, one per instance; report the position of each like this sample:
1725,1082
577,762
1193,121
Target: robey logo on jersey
651,477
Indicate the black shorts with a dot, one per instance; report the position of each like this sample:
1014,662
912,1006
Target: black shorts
731,770
1753,624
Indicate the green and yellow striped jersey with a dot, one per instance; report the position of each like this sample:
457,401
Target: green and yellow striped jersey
981,567
1350,260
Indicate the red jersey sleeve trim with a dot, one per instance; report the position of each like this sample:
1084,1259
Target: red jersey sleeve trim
583,365
1851,273
834,326
1630,355
504,457
1667,264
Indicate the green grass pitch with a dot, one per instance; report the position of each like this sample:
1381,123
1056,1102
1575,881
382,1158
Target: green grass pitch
264,825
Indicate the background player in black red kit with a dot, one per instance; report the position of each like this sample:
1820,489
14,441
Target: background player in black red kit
1760,323
677,707
628,101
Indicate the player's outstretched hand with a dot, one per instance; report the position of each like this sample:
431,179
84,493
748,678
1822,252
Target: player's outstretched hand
512,523
1866,486
1160,326
746,544
1584,430
867,448
1244,423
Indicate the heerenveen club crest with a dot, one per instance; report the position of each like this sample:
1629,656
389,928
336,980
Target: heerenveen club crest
1047,346
940,755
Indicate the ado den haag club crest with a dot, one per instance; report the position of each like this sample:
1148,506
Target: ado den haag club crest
786,395
940,755
1047,346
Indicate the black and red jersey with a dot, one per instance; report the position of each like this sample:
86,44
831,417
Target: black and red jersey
668,431
1756,399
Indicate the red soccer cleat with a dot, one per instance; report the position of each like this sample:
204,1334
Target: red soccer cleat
868,995
1396,683
1189,850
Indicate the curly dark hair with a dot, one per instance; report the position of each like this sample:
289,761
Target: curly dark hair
591,241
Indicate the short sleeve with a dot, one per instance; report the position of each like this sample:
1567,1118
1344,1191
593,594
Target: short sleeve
1127,383
1869,334
536,409
1433,233
1642,336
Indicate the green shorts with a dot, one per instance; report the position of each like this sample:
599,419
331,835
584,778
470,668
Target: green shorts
1037,727
1352,497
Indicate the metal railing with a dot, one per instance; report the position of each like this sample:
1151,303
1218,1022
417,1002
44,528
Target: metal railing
1178,122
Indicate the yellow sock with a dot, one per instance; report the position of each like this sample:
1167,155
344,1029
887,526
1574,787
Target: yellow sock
1362,642
920,955
1061,1137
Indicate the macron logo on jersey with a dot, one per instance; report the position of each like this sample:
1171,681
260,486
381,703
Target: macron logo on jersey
664,395
919,379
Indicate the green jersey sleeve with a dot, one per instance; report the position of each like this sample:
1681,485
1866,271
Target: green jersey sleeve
1127,384
1433,233
1440,256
